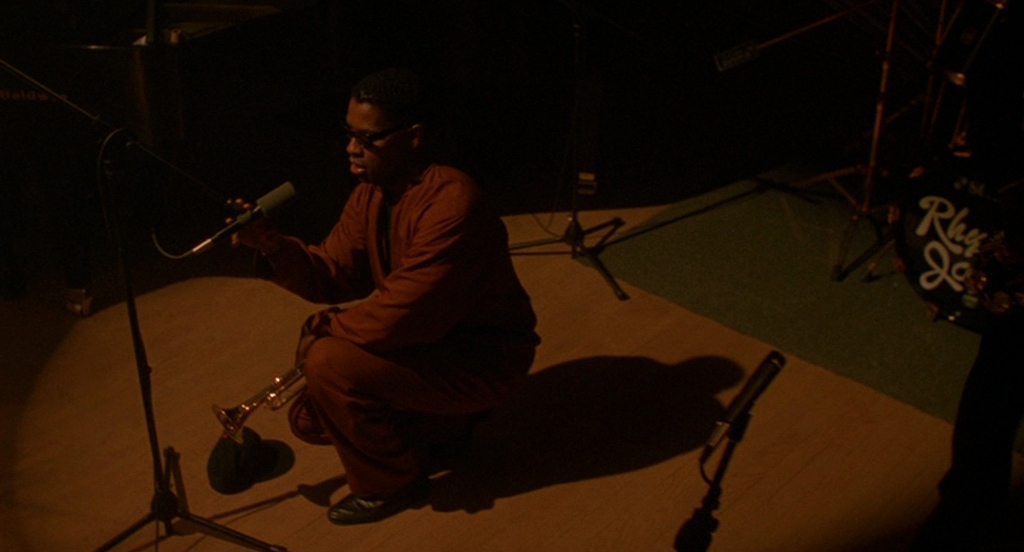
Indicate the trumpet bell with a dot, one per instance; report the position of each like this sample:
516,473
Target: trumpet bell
281,390
233,420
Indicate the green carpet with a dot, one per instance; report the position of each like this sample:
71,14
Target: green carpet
759,259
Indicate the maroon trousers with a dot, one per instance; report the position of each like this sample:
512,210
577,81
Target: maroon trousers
356,401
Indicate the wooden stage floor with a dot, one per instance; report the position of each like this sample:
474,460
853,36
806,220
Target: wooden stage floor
599,452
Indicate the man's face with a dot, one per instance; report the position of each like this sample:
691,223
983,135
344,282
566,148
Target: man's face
379,152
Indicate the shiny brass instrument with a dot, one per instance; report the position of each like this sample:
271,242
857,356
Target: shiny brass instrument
280,391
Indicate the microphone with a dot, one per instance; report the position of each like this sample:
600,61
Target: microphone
743,402
264,205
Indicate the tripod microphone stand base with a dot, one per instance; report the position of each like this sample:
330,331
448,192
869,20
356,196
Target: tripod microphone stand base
864,212
884,242
166,507
575,237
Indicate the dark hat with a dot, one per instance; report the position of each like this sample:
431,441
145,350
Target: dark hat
235,467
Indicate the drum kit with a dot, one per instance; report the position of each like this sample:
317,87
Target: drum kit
954,224
955,239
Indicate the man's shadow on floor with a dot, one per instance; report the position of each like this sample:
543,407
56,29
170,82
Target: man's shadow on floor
584,419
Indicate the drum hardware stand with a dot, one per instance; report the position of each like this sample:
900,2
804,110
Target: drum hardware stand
165,505
933,98
871,171
584,183
955,77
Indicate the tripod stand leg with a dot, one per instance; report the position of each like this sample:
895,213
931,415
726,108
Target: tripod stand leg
228,534
839,270
883,244
888,247
535,243
595,261
216,530
612,225
172,463
131,530
576,238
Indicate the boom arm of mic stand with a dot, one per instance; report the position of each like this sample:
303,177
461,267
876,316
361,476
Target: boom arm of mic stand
101,125
745,52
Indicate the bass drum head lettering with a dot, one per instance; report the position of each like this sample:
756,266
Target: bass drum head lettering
946,219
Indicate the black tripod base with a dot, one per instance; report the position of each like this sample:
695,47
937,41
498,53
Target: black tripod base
213,528
575,237
884,242
165,508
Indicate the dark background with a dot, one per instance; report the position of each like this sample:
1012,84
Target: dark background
249,100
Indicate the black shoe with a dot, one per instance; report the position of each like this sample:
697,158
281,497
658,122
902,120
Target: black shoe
352,509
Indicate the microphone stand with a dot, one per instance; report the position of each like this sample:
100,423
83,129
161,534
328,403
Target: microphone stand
695,534
583,182
165,506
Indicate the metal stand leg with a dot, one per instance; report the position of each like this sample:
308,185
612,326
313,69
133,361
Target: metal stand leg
864,206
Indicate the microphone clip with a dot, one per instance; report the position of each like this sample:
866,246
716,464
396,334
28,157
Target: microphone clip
737,416
725,430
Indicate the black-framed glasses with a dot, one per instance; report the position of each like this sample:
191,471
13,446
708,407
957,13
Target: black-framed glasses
366,139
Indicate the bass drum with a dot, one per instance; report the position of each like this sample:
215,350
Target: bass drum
948,218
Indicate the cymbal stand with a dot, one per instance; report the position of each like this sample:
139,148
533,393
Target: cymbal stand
950,66
935,89
165,505
864,208
583,183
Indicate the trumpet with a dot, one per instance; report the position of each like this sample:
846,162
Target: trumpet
280,391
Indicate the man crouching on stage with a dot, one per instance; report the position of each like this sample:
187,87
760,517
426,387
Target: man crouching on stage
445,328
